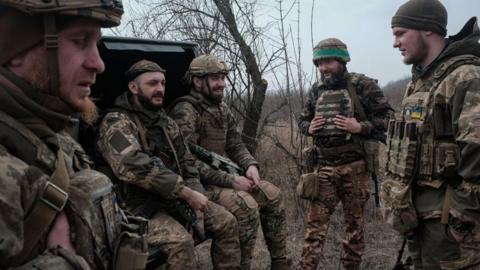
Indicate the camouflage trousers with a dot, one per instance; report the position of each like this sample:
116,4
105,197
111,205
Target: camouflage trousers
177,244
347,183
264,205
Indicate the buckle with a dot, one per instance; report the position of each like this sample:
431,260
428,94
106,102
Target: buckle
54,196
51,41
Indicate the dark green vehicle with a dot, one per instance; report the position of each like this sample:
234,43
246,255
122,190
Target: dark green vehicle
120,53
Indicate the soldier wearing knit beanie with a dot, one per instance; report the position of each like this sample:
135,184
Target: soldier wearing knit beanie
419,27
440,216
428,15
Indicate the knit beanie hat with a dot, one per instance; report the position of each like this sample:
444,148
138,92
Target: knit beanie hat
427,15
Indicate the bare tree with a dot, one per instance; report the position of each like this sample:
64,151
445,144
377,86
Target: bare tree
225,28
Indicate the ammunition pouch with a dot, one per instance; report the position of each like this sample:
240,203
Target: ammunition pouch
402,148
308,186
131,250
124,236
397,206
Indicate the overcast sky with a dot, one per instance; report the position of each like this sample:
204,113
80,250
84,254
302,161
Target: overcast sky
364,25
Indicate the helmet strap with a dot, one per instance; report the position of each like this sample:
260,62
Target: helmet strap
205,80
51,45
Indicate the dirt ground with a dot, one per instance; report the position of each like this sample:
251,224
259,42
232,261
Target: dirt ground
382,243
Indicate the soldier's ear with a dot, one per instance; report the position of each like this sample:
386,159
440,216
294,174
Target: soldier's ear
21,62
197,82
133,87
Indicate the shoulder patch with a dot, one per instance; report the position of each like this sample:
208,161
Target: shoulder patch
119,142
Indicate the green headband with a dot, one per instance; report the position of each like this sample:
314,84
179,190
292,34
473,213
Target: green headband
331,52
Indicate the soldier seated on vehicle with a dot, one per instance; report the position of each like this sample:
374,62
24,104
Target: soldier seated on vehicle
207,121
147,153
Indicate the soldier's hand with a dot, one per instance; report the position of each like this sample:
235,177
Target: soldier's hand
253,174
59,234
242,183
316,124
348,124
195,199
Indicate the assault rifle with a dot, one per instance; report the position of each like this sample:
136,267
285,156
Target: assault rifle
214,160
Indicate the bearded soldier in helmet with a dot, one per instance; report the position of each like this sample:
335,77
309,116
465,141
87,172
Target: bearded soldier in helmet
207,121
147,153
434,166
55,212
342,110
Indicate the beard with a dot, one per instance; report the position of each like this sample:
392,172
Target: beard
147,103
336,76
419,55
215,98
90,112
209,93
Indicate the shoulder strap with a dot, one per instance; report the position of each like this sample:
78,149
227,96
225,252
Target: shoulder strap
187,98
51,200
141,132
356,102
173,149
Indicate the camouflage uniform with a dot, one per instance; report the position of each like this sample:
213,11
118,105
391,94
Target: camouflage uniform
442,103
213,127
337,158
152,178
35,147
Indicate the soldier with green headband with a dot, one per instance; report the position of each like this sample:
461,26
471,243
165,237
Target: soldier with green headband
342,110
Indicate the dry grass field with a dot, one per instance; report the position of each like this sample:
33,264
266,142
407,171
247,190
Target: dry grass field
382,243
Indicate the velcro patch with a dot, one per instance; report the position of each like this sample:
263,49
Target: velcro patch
119,142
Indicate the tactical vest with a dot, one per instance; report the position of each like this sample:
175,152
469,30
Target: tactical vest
420,139
335,146
212,125
93,199
329,104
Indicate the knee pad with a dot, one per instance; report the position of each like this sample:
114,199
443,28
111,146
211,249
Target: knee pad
271,191
234,200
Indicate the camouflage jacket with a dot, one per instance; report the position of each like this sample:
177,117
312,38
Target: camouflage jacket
374,104
192,124
155,169
32,130
456,101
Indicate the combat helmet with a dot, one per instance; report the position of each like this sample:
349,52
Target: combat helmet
23,24
331,48
205,64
